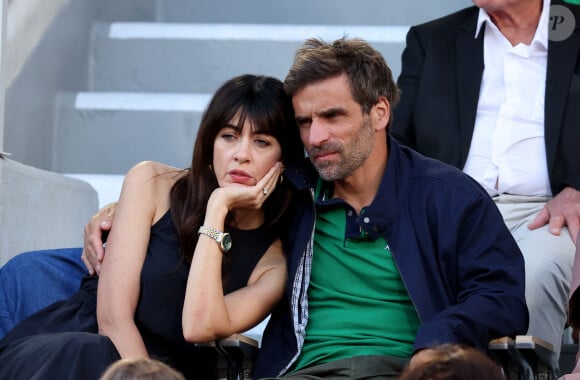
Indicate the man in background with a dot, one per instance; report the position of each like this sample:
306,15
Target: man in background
495,91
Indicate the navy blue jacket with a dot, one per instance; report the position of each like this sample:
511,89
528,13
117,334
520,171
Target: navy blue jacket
461,266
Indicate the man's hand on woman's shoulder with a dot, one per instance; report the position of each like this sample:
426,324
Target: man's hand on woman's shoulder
95,233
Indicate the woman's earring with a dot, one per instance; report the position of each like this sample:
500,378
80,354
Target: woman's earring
210,168
281,179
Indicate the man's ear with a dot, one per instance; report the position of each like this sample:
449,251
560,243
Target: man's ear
381,113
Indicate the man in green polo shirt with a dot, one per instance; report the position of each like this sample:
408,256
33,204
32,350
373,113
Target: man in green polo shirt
375,294
391,253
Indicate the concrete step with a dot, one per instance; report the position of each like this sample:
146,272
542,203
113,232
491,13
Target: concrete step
108,133
174,57
367,12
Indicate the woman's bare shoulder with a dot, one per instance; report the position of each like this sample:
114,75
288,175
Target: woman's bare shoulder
151,182
155,174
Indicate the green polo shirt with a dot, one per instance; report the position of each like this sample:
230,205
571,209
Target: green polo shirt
357,302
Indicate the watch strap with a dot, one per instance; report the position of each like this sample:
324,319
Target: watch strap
222,238
211,232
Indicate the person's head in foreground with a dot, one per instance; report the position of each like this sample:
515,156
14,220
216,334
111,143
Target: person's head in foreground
454,362
140,369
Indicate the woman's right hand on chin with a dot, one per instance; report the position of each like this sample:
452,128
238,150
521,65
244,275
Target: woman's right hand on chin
252,197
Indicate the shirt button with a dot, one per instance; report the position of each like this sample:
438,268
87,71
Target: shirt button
366,219
349,213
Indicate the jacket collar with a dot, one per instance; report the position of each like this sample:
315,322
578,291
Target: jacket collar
384,208
469,64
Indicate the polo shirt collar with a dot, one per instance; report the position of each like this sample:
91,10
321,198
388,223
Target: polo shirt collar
375,219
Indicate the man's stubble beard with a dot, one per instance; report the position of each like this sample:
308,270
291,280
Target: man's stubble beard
349,158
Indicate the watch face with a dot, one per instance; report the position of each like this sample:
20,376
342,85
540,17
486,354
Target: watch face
226,242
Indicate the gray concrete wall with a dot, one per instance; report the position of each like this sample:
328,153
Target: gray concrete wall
354,12
27,21
127,10
58,63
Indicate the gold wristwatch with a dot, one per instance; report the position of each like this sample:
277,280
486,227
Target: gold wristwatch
222,238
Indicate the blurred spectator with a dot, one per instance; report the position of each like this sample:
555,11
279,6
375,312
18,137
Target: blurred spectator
141,369
454,362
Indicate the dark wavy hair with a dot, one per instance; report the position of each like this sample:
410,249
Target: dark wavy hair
260,100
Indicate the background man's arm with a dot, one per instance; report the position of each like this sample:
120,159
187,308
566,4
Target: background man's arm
95,233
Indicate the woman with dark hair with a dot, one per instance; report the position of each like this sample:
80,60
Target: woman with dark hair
195,254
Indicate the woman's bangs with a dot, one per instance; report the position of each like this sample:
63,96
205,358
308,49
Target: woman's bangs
262,122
